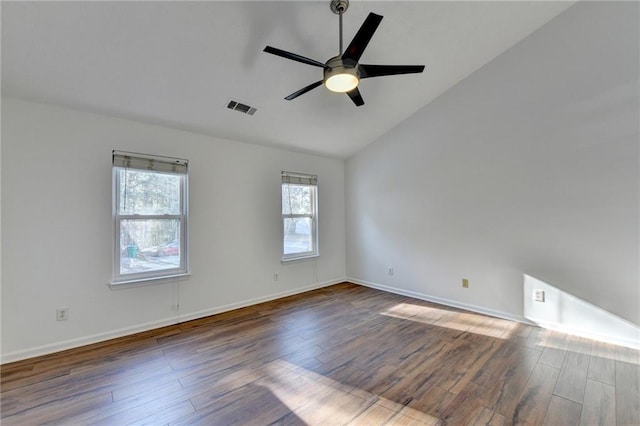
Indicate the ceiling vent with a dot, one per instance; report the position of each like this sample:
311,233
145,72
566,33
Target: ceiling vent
243,108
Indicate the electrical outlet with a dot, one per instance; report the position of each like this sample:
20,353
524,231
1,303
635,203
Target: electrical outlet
465,283
62,314
390,270
538,295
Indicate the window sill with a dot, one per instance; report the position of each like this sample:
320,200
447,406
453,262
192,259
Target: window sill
298,258
140,282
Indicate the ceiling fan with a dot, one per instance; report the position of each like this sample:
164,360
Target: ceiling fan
342,73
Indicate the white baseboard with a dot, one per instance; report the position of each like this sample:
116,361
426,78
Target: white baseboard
607,338
616,340
443,301
101,337
255,301
83,341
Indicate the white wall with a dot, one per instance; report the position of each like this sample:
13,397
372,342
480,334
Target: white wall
529,166
564,312
57,227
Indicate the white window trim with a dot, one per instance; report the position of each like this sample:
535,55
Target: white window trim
157,164
169,279
304,180
299,258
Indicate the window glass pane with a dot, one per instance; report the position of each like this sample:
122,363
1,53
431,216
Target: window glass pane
297,235
148,193
149,245
297,199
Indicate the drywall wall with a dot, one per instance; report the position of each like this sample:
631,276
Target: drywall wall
553,308
0,234
57,227
529,166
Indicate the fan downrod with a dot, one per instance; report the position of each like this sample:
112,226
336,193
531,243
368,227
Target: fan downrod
339,6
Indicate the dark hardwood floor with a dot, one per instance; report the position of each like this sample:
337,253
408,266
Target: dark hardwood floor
341,355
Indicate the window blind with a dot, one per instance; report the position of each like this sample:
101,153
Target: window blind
132,160
299,178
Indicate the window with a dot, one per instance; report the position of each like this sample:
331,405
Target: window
299,215
150,217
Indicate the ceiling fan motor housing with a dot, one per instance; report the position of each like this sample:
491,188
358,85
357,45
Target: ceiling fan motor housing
340,72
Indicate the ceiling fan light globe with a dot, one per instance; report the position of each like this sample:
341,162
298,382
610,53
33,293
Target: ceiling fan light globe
341,83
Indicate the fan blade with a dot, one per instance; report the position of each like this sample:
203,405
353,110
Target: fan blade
293,56
368,71
356,97
303,90
362,37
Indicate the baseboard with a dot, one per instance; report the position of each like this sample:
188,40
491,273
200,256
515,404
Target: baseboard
101,337
607,338
615,340
230,307
443,301
83,341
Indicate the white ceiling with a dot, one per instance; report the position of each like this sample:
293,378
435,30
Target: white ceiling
178,63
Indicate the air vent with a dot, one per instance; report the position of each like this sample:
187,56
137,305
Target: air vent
243,108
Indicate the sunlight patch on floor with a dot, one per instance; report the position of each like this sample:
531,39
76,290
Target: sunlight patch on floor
316,399
552,339
462,321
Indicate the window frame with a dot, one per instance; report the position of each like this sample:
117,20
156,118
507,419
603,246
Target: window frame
119,278
310,181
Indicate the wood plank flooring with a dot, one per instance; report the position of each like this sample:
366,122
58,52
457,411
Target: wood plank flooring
341,355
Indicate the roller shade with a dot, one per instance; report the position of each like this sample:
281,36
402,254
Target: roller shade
132,160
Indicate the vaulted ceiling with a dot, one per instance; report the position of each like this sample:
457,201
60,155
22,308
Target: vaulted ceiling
179,63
